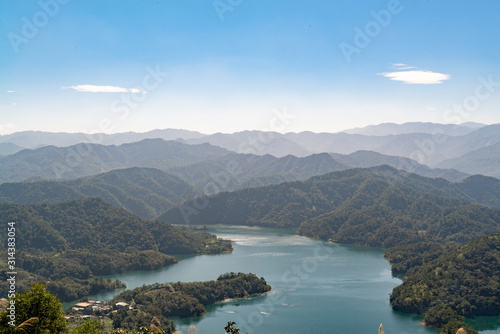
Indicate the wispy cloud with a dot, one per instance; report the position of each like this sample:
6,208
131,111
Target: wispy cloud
11,91
400,67
103,89
412,75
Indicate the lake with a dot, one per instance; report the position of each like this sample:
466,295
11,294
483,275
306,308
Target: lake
318,287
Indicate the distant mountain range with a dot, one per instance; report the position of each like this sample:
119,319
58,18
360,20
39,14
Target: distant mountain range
445,146
208,168
387,129
426,148
36,139
80,160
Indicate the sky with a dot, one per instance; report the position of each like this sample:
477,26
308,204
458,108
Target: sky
232,65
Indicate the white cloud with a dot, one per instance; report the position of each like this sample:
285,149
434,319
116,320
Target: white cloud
11,91
410,75
103,89
14,104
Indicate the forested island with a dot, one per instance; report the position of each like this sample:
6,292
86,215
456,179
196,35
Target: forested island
182,299
66,245
143,309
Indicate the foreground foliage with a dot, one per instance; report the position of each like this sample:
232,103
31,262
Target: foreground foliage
36,303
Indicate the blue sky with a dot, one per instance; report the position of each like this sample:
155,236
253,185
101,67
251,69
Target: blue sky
233,64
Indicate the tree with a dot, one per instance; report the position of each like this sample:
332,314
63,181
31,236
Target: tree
457,327
231,329
36,303
88,327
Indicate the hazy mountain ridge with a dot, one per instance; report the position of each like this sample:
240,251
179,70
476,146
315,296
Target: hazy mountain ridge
238,171
9,148
434,146
385,129
146,192
196,164
426,148
428,143
80,160
366,159
37,139
485,161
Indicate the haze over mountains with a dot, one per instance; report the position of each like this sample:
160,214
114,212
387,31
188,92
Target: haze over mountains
481,161
427,148
36,139
198,164
435,145
52,162
149,176
386,129
469,148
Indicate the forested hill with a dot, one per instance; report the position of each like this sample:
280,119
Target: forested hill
461,281
94,225
65,245
146,192
378,206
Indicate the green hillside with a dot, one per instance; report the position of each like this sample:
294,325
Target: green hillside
376,206
461,281
146,192
65,245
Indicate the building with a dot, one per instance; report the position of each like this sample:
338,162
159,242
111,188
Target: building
122,305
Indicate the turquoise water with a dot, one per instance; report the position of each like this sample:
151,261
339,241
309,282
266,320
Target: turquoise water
318,287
